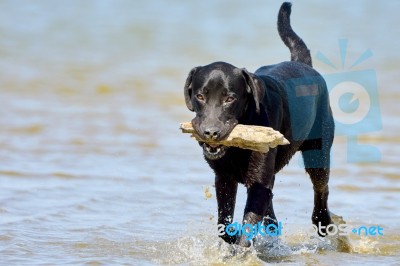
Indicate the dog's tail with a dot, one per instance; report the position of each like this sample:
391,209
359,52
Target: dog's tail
298,49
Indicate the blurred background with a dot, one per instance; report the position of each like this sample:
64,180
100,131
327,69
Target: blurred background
93,167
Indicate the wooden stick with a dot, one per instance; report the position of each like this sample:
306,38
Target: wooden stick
256,138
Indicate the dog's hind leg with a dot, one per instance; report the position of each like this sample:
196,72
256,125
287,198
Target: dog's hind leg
320,216
316,154
316,161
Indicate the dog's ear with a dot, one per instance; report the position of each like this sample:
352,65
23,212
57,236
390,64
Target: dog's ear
188,88
255,86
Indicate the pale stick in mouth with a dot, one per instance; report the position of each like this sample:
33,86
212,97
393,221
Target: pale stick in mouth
256,138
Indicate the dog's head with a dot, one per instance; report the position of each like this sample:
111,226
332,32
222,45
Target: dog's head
220,95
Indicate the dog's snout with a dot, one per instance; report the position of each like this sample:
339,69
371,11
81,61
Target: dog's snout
212,133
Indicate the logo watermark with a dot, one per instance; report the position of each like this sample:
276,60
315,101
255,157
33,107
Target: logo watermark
354,101
250,231
345,230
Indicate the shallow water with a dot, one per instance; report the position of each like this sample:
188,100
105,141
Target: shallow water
87,88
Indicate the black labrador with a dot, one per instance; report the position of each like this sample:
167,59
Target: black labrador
290,97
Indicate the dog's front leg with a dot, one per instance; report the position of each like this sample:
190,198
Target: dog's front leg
226,189
258,199
259,181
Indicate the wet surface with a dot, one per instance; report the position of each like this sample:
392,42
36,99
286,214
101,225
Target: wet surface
94,169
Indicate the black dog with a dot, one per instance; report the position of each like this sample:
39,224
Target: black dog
290,97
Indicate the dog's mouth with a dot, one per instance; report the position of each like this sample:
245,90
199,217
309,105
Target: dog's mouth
213,151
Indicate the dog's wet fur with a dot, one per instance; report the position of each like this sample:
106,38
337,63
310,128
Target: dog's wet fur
290,97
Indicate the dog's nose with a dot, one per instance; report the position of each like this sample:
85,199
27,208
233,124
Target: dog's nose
212,133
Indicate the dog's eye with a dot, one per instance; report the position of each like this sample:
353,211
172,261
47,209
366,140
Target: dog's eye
200,97
229,99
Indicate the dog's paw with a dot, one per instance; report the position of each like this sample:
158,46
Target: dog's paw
240,251
229,239
321,219
242,241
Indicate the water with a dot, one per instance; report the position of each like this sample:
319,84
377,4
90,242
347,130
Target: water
94,169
